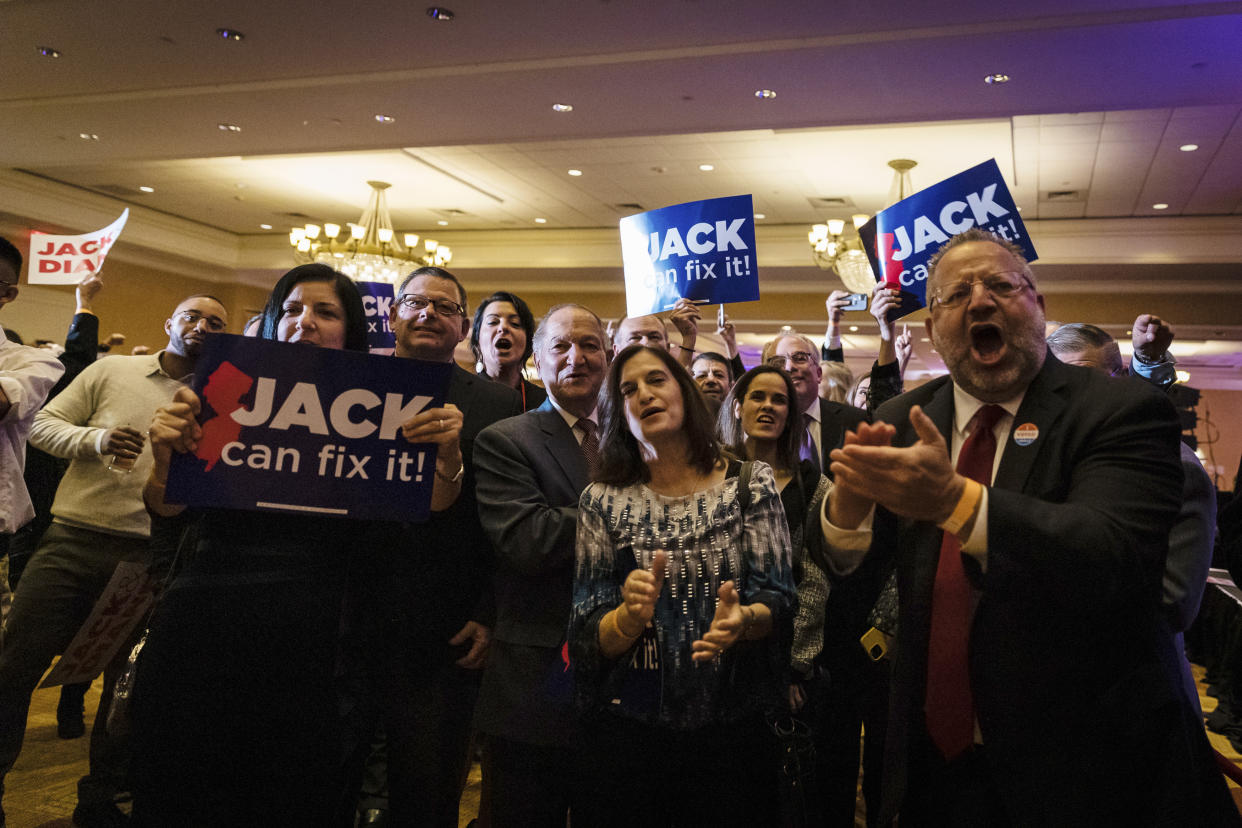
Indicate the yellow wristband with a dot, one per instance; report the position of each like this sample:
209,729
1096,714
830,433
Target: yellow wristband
614,625
972,493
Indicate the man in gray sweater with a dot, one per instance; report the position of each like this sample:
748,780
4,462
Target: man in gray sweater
99,520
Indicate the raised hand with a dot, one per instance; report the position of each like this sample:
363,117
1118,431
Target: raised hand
639,594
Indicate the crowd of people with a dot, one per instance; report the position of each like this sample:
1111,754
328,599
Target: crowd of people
637,573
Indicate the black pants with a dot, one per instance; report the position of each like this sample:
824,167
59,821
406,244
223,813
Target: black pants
654,776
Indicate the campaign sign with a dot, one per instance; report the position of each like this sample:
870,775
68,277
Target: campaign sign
901,239
294,428
67,260
122,605
703,251
377,302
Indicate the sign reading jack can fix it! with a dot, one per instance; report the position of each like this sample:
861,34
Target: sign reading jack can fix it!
703,251
901,239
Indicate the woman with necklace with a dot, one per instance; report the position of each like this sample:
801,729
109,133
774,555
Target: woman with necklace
682,598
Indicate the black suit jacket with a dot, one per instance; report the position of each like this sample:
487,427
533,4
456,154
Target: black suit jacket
531,473
420,583
1069,654
834,420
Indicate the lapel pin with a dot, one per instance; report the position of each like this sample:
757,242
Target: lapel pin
1026,434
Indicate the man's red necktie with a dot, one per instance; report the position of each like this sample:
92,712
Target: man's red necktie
949,704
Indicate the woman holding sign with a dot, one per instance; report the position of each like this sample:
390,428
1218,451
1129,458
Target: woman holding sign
681,605
235,713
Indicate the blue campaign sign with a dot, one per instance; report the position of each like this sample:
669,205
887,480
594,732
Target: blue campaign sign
293,428
377,302
703,251
901,239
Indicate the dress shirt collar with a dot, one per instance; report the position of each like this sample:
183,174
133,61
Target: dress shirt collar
965,406
570,419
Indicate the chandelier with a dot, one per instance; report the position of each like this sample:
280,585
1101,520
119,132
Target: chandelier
833,250
369,251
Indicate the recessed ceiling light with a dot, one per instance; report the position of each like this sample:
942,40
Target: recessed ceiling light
1188,147
1160,206
706,167
442,223
575,172
230,34
48,51
228,127
385,119
440,13
147,189
760,216
765,94
853,329
541,221
924,339
997,77
88,136
560,107
265,227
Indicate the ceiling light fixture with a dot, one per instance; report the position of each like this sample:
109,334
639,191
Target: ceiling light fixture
560,107
369,251
853,329
440,13
575,173
231,34
442,223
265,227
541,221
228,127
385,119
706,167
147,189
831,250
1188,147
996,77
48,51
1160,206
759,216
88,136
765,94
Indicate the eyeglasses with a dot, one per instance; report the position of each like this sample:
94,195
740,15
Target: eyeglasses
192,318
444,307
797,358
1001,285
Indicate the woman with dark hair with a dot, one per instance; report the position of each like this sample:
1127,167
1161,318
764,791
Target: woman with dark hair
235,712
682,591
755,424
501,338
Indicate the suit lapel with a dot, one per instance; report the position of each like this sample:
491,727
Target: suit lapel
1041,407
563,446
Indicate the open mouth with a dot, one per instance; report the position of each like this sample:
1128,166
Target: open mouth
502,344
650,412
986,341
766,419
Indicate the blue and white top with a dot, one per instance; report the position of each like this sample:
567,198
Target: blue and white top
708,543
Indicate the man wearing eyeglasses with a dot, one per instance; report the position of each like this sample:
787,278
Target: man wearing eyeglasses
1027,505
421,603
99,520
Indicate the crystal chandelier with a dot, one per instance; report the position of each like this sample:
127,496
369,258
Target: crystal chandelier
369,251
832,250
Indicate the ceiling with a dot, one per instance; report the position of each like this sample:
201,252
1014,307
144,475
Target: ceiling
1088,131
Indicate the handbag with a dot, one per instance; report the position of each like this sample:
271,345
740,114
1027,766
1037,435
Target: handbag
795,770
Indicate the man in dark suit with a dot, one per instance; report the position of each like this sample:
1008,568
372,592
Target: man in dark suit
531,471
419,607
1030,682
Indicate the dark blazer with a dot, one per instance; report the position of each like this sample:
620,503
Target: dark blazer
834,420
1069,652
421,583
531,473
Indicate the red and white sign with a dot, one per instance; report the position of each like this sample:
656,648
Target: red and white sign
67,260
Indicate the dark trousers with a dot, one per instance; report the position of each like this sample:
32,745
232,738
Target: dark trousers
646,775
956,794
853,699
425,710
59,588
529,785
